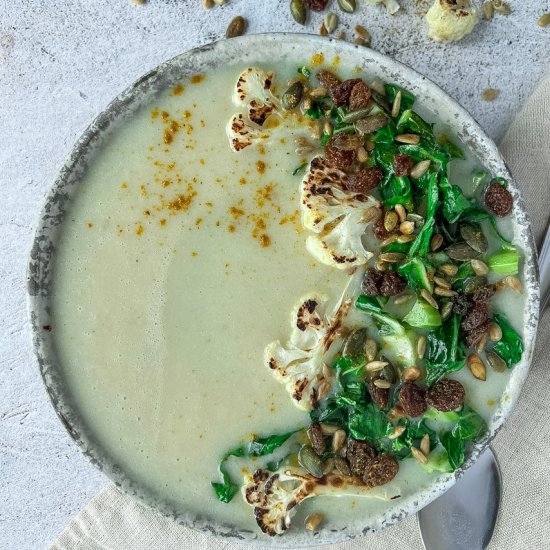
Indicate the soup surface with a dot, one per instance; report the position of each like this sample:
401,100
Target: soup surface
179,260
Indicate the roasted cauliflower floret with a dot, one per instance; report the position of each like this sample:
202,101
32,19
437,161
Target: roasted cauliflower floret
335,215
275,496
253,92
451,20
300,364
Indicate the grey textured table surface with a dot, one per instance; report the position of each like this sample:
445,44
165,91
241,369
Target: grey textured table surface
61,61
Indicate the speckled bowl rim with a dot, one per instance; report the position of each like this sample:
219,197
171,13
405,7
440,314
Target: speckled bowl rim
243,50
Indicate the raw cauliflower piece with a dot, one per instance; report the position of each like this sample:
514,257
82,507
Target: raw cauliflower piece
335,216
451,20
275,496
300,365
253,91
392,6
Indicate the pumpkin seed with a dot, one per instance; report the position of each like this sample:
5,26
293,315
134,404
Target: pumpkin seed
310,461
397,431
471,284
446,310
338,440
476,366
391,257
411,374
298,11
421,346
406,238
411,139
328,466
419,169
439,281
389,374
371,349
495,332
331,22
419,455
474,237
429,298
342,466
313,521
445,292
416,218
461,252
292,97
347,5
370,124
374,366
382,384
236,27
488,10
480,268
425,444
544,20
347,142
390,220
372,213
496,362
354,343
448,269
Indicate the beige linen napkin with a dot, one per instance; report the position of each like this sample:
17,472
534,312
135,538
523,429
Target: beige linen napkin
113,521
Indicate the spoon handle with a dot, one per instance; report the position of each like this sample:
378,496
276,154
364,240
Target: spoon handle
544,269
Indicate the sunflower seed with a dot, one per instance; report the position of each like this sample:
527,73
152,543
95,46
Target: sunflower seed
461,252
207,4
495,332
382,384
396,412
448,269
390,220
338,440
374,366
331,22
313,521
329,429
396,107
370,145
439,281
480,346
309,460
496,362
446,310
317,130
360,41
323,390
380,265
318,92
298,11
419,169
219,2
411,374
436,242
412,139
407,228
236,27
476,366
502,7
371,349
406,238
401,212
341,35
306,150
445,292
474,237
425,445
327,127
372,213
429,298
362,155
403,299
347,5
421,346
323,30
306,104
419,455
327,371
391,257
490,94
293,95
514,283
479,267
397,431
362,32
488,10
544,20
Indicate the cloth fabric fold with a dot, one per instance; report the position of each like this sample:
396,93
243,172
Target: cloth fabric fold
113,521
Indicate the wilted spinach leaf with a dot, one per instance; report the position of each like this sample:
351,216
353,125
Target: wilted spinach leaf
369,422
510,346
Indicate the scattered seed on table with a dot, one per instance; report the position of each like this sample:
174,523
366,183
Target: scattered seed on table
236,27
544,20
490,94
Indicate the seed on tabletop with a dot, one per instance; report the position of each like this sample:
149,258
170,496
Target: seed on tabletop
544,20
208,4
488,10
236,27
298,11
490,94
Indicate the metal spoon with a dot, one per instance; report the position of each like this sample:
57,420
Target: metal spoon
465,516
